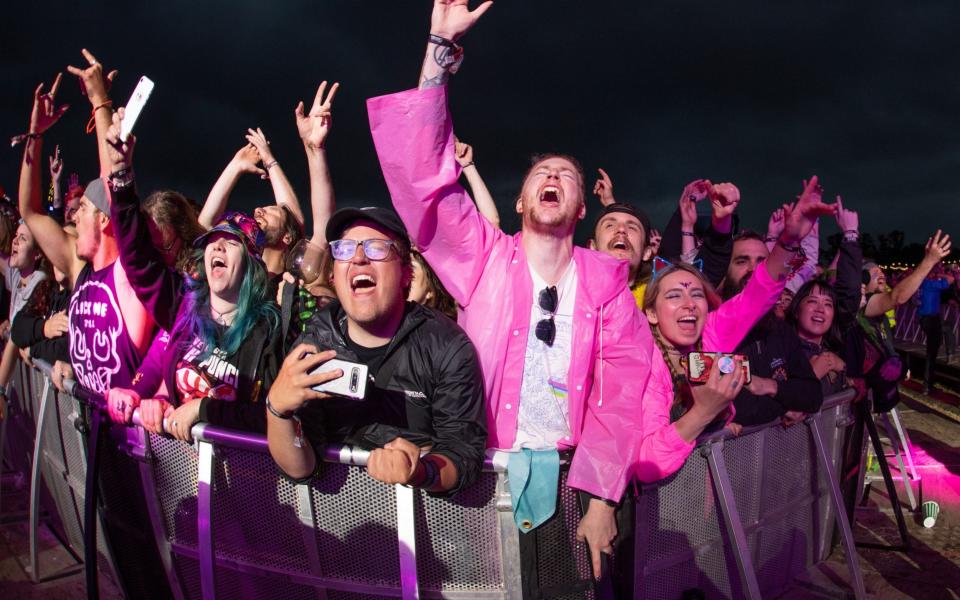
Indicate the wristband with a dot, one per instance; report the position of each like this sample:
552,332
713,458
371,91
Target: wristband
851,234
19,139
688,234
770,239
609,503
426,475
469,164
122,179
788,248
270,165
92,123
277,413
448,55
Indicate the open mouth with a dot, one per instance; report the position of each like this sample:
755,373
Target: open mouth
687,324
550,196
621,244
362,283
818,319
217,266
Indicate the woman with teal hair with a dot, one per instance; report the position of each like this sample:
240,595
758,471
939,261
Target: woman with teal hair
223,344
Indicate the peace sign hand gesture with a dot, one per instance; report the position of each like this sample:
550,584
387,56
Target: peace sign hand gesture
315,126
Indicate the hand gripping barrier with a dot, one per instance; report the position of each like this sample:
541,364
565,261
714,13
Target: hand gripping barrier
742,518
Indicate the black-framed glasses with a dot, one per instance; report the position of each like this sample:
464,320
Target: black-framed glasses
546,330
375,249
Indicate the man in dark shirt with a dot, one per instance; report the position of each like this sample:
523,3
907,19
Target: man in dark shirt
423,412
930,290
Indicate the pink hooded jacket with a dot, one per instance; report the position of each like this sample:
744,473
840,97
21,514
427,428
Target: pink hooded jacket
486,272
663,451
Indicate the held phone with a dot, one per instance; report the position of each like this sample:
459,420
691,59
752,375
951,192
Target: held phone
131,112
353,383
700,363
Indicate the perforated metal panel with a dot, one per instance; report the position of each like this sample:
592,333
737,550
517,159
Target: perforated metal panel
255,513
458,546
356,531
175,477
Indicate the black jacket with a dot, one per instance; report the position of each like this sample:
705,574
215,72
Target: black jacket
433,393
26,331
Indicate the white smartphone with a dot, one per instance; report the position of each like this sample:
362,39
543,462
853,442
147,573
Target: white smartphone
131,112
353,383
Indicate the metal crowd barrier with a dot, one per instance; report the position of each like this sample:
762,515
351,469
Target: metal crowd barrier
742,518
909,328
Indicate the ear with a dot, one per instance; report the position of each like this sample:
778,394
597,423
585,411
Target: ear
583,211
651,316
647,253
519,205
287,239
103,222
592,245
406,279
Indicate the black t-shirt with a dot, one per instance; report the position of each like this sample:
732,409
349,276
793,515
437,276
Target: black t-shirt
372,357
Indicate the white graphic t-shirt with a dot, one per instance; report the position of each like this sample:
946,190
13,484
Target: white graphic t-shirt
543,417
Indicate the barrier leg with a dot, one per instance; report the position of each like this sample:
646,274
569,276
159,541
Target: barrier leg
846,534
206,549
891,491
895,446
309,522
90,498
35,486
907,446
407,542
731,517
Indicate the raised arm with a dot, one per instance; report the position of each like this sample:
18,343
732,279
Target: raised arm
481,195
798,221
849,262
56,244
283,192
314,129
448,22
938,248
244,161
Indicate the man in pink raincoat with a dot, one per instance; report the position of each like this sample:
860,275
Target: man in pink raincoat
564,351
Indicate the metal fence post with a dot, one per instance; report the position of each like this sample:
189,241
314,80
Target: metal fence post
407,542
833,486
731,518
205,544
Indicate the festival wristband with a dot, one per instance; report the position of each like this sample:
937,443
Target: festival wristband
427,473
276,412
789,248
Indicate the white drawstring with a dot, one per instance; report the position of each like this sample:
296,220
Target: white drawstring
600,403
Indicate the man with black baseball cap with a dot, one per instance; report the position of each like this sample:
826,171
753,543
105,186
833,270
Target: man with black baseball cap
622,230
425,391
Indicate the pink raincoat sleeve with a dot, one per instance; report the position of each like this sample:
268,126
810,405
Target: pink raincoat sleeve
413,135
613,424
663,451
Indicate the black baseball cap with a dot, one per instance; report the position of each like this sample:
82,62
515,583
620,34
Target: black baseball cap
629,209
385,217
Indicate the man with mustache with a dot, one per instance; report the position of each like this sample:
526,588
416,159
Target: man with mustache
564,351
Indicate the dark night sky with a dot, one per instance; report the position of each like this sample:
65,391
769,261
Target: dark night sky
866,95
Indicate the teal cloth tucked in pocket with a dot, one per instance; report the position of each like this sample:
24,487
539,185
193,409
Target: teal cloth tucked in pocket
533,476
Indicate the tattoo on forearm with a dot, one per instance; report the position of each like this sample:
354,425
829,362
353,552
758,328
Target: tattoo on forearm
437,81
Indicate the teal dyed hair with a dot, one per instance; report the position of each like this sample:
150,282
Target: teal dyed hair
254,304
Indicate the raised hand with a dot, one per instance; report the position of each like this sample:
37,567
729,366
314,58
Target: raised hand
259,141
847,220
603,189
45,111
453,18
653,244
693,192
56,165
294,384
120,154
724,198
315,126
799,218
718,392
464,153
775,224
246,159
938,247
93,84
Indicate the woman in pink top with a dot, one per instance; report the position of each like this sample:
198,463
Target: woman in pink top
678,306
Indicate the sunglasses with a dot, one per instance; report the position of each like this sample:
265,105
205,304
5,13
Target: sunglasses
344,250
546,330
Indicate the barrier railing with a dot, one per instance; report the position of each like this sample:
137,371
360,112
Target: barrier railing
909,328
742,518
